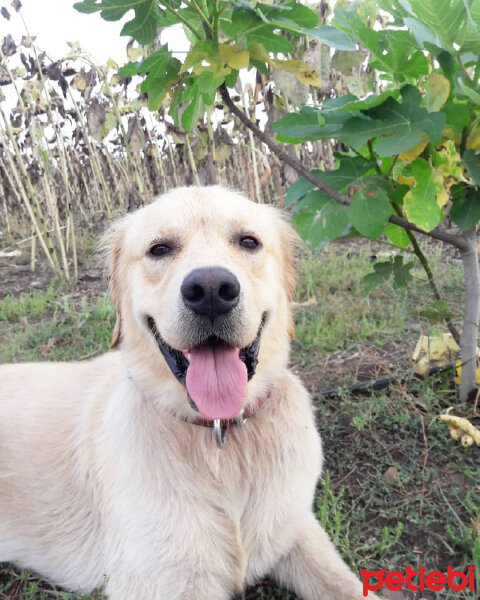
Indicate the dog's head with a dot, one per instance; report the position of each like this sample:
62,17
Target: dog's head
202,281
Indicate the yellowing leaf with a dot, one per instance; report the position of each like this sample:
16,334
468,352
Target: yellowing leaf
473,139
79,82
458,372
303,72
258,53
464,425
412,154
437,92
214,68
442,194
450,133
448,159
406,180
448,164
433,352
229,55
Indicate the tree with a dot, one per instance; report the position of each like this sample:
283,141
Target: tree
408,153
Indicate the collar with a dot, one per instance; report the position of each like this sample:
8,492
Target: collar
220,426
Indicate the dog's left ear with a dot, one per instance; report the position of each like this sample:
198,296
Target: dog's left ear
289,241
111,246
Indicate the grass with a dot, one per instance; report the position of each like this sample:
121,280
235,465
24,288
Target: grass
54,326
427,513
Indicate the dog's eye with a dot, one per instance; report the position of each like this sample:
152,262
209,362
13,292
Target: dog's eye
159,250
249,242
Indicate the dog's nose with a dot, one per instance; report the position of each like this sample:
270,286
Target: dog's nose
211,291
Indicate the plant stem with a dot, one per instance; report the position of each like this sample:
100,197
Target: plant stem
182,19
191,160
428,270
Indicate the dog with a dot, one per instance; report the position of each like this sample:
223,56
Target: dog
182,464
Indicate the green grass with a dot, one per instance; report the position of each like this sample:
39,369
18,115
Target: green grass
430,513
51,325
345,314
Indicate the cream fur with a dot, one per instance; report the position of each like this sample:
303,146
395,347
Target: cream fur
102,480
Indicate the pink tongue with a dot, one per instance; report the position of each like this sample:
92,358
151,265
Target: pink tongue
217,381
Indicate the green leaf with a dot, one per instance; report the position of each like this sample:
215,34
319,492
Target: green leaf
299,127
240,22
334,120
394,51
190,114
303,223
322,220
195,24
369,212
397,235
297,13
446,18
397,125
465,91
157,86
330,222
436,312
331,36
89,6
371,101
421,32
382,271
166,19
465,209
175,102
260,66
199,52
471,161
351,171
128,70
458,116
155,64
271,42
208,82
142,27
231,80
401,273
420,203
298,190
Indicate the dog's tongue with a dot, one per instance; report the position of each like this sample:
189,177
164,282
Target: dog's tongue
217,381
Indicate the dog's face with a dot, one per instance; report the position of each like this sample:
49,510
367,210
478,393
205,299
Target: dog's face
202,281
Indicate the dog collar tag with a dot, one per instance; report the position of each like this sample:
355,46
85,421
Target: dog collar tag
220,433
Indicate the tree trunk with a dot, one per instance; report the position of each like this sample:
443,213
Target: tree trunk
468,341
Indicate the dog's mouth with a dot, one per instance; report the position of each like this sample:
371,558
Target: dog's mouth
215,373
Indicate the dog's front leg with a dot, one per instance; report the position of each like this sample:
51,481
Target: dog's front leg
314,570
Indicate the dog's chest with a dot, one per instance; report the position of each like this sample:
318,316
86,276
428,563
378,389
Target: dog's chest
186,502
262,490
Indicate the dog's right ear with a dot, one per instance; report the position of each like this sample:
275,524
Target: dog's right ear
111,247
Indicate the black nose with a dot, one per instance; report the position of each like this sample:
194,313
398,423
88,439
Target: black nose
211,291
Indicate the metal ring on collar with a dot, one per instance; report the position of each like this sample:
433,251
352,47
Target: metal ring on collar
220,433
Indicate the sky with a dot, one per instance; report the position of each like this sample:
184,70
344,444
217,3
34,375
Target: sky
56,22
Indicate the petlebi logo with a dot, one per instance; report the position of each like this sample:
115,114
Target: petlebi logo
434,581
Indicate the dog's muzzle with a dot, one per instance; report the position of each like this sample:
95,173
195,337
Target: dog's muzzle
177,359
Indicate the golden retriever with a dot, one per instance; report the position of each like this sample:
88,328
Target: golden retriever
182,464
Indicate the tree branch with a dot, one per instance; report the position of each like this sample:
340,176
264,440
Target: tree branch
436,234
468,343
